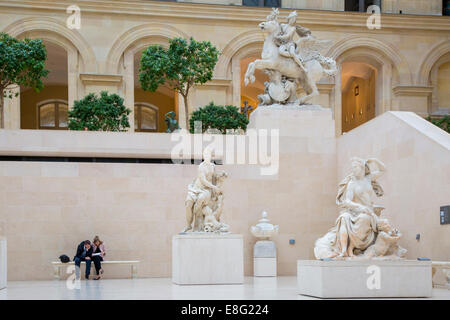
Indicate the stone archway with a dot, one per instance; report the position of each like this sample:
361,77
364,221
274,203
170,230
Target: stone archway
80,56
239,43
56,31
430,60
121,57
383,58
247,44
427,75
132,37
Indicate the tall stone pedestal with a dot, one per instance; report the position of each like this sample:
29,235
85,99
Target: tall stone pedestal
3,264
264,259
205,258
294,121
364,279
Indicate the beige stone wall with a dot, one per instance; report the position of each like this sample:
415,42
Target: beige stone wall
420,7
417,159
48,208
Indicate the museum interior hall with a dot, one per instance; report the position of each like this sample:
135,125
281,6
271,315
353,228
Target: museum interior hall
224,149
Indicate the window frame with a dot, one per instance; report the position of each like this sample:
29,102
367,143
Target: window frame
262,4
138,116
56,102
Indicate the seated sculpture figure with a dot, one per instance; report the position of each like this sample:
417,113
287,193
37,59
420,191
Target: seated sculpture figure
358,226
204,201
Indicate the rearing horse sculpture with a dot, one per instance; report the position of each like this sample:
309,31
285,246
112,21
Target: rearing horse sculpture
304,69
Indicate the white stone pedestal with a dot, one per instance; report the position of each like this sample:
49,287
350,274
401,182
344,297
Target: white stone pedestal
364,278
313,120
3,264
203,258
264,259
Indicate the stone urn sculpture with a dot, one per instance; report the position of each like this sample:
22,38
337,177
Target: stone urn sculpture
264,230
264,251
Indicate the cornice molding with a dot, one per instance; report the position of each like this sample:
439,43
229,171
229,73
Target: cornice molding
232,13
412,90
95,78
218,83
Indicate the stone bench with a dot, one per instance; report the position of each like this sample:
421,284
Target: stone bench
443,266
57,265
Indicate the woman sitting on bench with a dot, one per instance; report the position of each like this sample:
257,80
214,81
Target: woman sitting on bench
98,255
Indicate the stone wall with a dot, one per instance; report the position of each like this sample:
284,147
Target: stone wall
47,208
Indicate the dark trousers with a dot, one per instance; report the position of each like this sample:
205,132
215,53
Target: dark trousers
78,260
97,263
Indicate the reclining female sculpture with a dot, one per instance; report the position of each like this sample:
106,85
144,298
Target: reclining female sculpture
359,230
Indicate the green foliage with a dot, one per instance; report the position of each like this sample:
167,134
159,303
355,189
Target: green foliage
218,117
184,64
22,62
104,113
443,123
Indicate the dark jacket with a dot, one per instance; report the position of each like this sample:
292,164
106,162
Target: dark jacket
80,250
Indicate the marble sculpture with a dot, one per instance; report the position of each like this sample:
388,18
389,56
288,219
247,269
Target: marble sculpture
204,201
291,58
360,232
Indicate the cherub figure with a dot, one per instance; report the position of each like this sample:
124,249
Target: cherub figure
213,211
386,243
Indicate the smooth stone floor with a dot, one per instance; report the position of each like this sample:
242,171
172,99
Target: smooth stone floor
284,288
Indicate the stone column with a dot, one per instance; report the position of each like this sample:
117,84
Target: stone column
236,79
386,89
72,79
128,63
11,108
337,112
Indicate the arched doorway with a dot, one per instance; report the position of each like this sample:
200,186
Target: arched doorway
443,87
358,84
440,81
124,58
48,108
250,92
150,105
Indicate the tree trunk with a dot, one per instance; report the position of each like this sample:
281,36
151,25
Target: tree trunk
2,113
186,111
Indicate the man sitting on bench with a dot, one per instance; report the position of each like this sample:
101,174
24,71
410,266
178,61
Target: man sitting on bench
84,253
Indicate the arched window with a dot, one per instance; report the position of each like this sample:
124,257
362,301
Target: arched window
145,117
52,114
